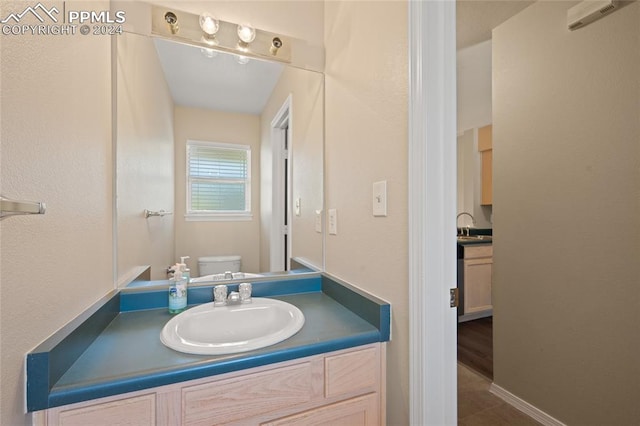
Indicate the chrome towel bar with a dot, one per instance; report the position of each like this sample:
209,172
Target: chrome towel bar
149,213
9,207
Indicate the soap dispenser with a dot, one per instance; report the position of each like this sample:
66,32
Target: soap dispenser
177,291
185,270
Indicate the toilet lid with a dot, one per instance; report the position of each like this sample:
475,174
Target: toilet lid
232,258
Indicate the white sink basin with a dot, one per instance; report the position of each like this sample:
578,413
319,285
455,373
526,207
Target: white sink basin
219,330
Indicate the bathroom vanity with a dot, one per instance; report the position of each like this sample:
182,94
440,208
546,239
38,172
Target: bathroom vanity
110,366
342,387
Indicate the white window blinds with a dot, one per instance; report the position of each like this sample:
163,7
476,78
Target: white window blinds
218,179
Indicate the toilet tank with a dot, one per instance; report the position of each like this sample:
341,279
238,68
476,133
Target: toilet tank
218,264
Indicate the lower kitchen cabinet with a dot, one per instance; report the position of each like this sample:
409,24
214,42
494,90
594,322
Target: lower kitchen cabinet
339,388
478,265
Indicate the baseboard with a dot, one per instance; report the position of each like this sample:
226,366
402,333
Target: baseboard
524,406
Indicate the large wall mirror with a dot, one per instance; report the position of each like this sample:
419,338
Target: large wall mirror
170,95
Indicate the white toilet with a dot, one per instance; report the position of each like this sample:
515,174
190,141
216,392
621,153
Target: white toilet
212,265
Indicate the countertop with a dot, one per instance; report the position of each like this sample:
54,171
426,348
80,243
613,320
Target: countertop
127,354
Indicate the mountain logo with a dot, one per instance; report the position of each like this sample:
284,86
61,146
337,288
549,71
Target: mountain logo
39,11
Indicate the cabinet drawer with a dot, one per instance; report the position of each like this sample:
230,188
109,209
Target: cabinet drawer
251,395
484,250
355,372
361,411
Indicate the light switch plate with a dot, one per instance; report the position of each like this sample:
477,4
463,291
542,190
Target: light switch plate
333,222
318,220
297,206
380,198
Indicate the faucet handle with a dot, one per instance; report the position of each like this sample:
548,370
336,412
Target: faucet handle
245,292
220,295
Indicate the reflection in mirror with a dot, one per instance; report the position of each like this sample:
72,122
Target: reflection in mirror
170,95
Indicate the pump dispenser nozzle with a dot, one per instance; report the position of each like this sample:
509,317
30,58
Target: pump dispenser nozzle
186,272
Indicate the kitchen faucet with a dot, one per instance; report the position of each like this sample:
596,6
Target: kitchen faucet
473,220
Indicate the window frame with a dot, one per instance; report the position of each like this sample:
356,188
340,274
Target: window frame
218,215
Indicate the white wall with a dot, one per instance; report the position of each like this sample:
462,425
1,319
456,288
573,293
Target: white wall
56,147
217,238
306,153
567,236
474,86
366,141
474,111
145,164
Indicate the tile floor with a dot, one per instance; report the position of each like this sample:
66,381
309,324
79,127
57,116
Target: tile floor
479,407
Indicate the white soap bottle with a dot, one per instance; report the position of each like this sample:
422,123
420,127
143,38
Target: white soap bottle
185,271
177,291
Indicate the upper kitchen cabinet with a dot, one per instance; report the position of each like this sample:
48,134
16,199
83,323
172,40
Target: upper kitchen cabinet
485,147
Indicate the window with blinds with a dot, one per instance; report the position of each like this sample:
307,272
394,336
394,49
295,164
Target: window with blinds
218,180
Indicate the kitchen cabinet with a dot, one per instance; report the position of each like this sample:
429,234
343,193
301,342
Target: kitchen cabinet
477,277
485,147
342,387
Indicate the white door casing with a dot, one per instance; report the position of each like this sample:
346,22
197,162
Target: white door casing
432,202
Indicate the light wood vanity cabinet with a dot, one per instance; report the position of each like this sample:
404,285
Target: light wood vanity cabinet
478,265
338,388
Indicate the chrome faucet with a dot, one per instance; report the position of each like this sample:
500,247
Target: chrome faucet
220,297
473,220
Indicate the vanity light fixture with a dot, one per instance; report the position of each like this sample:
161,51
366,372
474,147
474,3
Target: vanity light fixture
172,20
206,31
246,34
276,44
210,26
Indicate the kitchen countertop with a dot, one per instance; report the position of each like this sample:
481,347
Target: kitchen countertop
127,354
486,239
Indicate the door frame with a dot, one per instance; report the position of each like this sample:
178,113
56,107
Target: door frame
281,128
432,202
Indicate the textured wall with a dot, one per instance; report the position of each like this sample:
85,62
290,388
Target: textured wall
566,207
365,142
145,165
56,148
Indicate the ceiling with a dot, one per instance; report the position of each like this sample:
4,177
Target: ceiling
218,83
221,83
476,18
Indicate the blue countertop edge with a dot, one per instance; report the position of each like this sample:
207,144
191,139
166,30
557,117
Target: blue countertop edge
46,364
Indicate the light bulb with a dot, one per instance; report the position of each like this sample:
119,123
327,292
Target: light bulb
208,53
209,23
209,39
246,33
242,60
